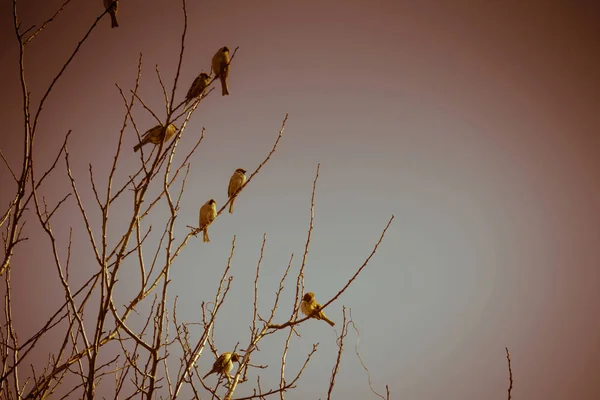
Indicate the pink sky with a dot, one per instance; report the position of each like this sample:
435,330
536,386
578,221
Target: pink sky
474,123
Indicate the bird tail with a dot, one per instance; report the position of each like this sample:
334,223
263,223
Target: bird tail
231,206
191,102
330,322
138,146
210,372
205,237
113,17
224,88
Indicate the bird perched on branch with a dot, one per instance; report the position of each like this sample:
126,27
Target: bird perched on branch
224,364
208,213
156,135
198,87
311,308
113,8
220,66
235,184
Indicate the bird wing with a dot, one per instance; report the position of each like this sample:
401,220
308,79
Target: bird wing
203,215
195,88
169,131
152,132
233,184
219,63
215,64
223,360
206,215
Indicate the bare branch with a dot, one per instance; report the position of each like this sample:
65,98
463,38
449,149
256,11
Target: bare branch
510,376
300,280
362,363
334,298
224,286
262,164
195,231
336,367
292,322
262,251
62,70
290,385
164,89
45,24
185,24
9,168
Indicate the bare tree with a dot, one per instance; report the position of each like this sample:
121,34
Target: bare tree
89,324
130,346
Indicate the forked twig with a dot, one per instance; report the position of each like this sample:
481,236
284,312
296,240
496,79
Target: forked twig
340,343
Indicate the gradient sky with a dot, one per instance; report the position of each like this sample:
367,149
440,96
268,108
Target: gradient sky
475,123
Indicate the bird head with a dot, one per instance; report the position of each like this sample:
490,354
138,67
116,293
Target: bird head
308,297
212,202
240,170
225,49
204,75
235,357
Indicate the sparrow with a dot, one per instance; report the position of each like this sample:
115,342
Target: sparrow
113,8
198,87
235,184
224,364
311,308
208,213
220,66
156,135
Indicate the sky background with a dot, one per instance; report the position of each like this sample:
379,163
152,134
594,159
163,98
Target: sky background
474,123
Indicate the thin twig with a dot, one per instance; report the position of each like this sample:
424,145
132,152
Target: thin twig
8,166
45,24
510,376
361,361
336,367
